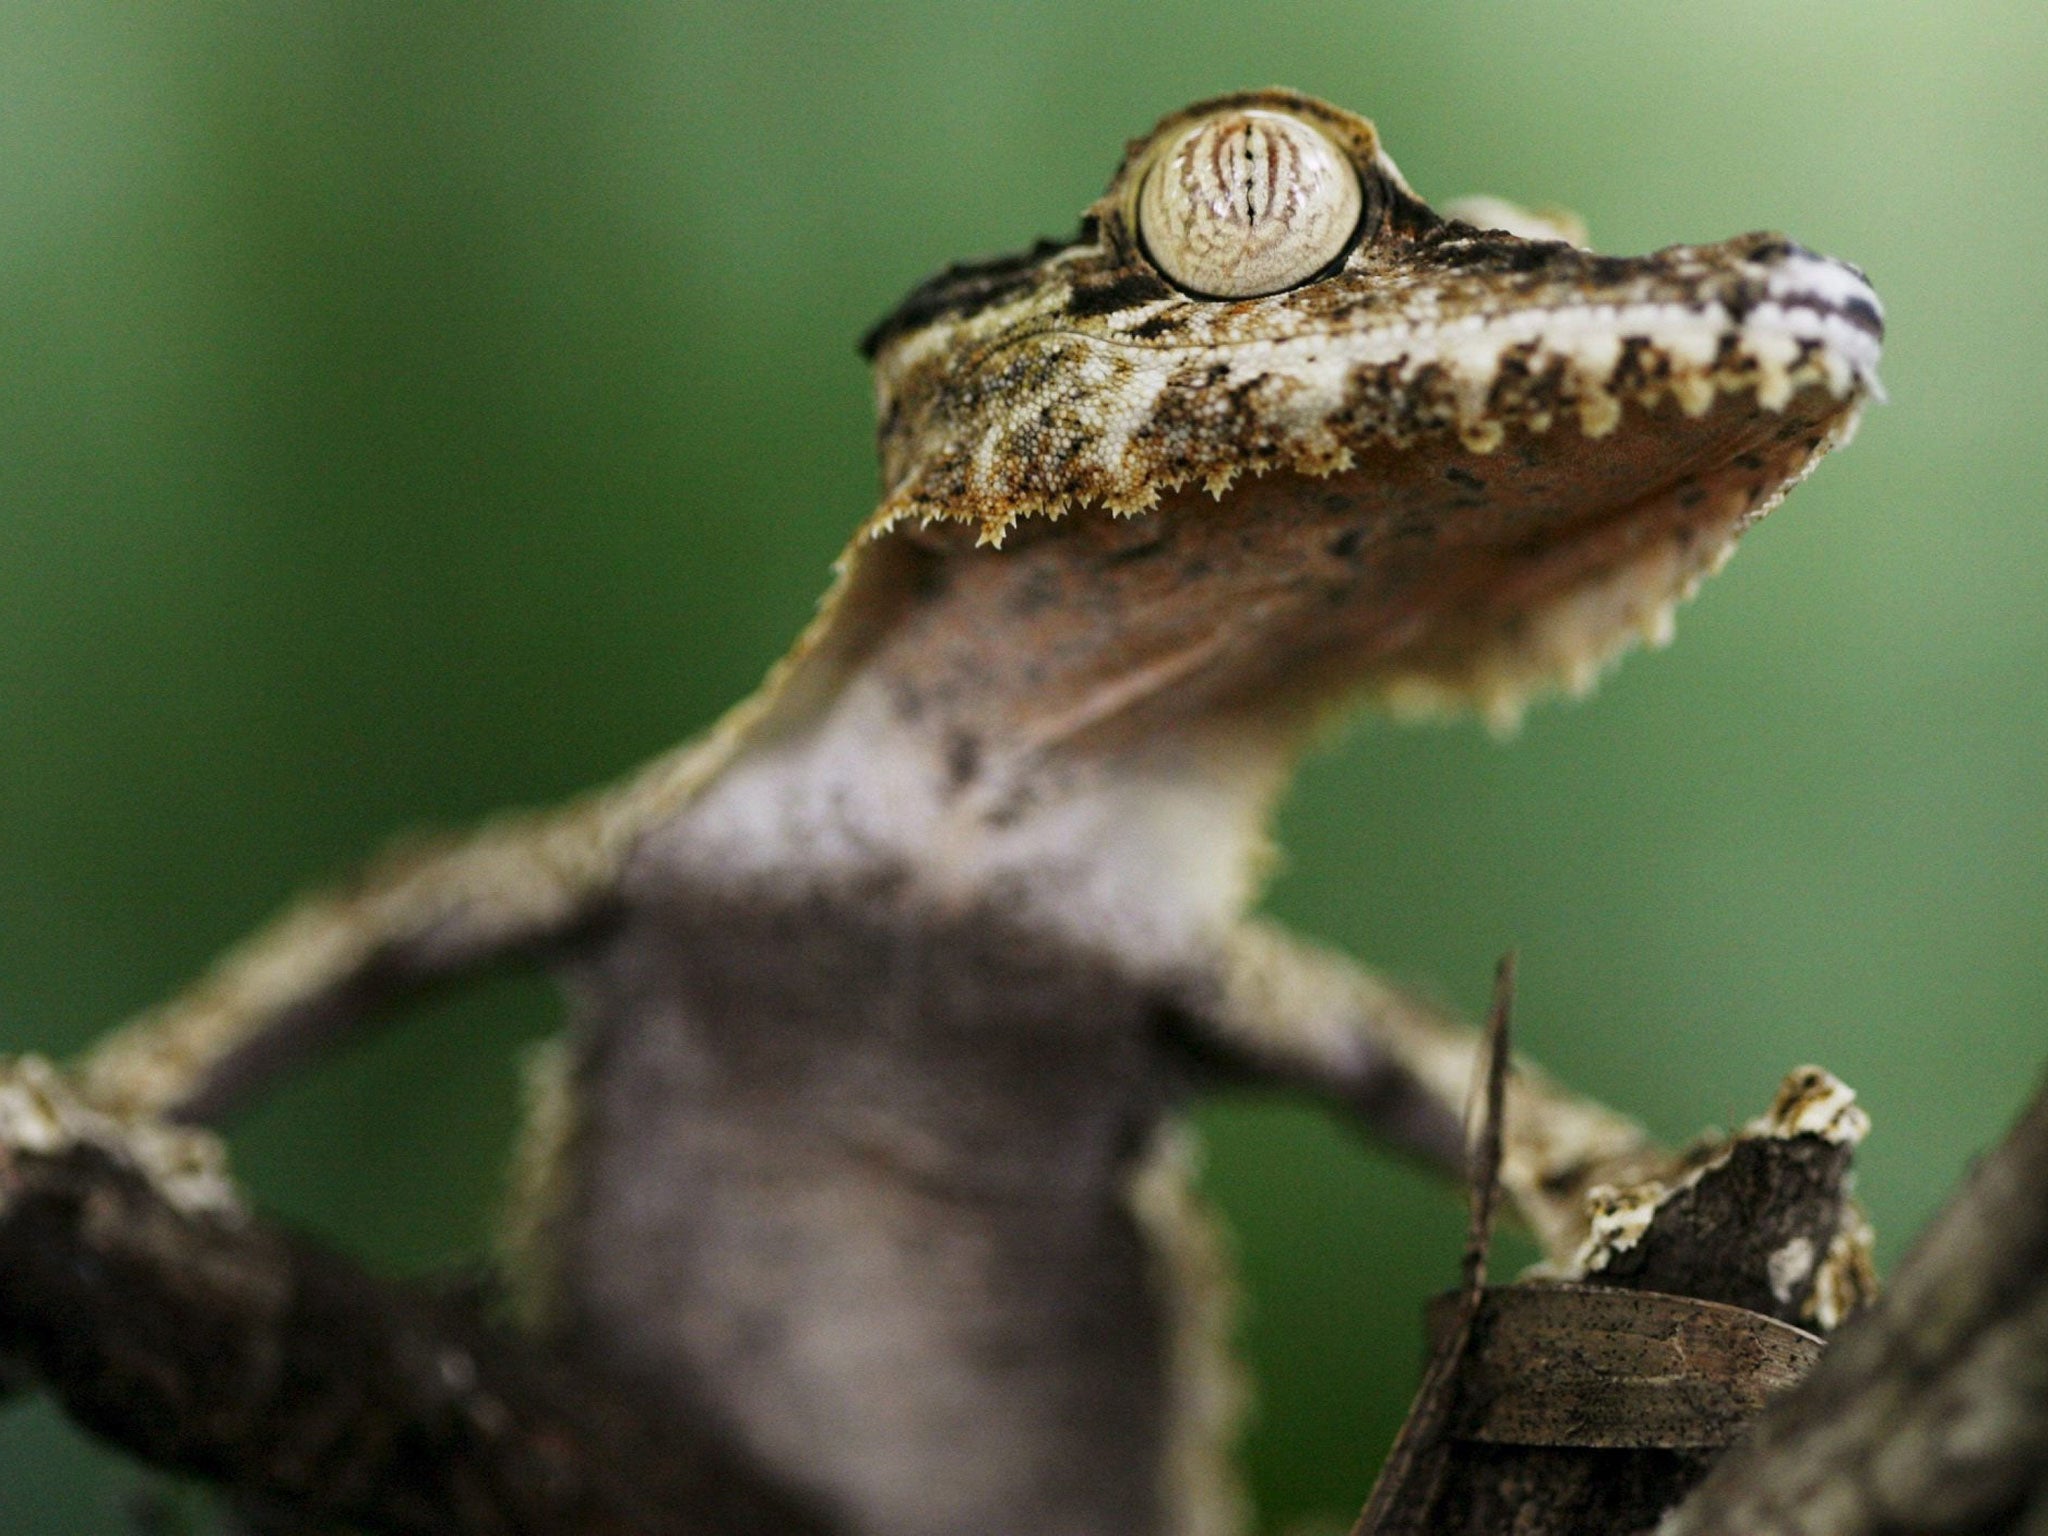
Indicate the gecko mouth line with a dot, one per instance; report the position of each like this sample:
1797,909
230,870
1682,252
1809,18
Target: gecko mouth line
1040,420
1438,583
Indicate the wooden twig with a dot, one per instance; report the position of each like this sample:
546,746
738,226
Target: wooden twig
1414,1467
1589,1408
1929,1411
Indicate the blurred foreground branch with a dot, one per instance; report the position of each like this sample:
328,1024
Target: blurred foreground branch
1594,1409
165,1318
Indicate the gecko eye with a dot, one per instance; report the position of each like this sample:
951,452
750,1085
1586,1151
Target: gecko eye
1247,203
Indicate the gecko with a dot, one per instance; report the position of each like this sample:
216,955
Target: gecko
864,1141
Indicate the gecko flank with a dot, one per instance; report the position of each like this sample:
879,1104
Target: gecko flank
863,1143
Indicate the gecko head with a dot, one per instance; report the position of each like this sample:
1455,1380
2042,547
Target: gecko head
1454,465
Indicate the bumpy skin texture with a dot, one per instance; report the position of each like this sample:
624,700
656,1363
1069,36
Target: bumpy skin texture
862,1146
1079,375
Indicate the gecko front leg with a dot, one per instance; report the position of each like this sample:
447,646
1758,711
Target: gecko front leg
1274,1008
329,964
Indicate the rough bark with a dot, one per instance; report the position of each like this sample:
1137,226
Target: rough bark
1930,1411
1591,1411
1584,1408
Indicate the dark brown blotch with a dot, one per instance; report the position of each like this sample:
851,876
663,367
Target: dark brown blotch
1117,291
963,760
965,289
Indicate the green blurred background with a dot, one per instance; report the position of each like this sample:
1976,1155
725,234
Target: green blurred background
408,410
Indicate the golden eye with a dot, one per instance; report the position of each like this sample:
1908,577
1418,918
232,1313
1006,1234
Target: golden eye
1247,203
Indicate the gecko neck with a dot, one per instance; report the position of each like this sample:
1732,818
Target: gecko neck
1028,731
1144,850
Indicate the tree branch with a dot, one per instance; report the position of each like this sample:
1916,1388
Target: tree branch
199,1338
1588,1409
1930,1412
165,1316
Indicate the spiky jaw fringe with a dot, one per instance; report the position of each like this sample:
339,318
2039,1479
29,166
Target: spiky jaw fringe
1469,566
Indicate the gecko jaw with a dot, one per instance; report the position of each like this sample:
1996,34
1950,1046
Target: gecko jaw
1597,595
1029,413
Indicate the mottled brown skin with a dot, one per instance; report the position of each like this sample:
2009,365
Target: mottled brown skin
1260,608
861,1147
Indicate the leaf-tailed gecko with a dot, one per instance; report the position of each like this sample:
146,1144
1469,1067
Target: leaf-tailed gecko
863,1141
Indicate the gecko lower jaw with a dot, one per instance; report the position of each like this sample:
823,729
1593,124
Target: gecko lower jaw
1557,620
1473,481
1722,410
